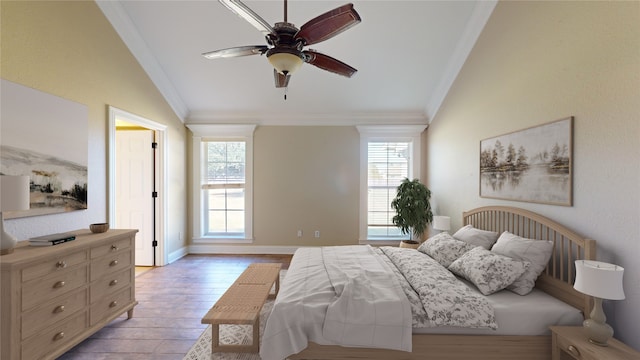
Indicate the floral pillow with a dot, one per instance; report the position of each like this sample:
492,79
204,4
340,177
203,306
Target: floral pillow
536,252
488,271
444,249
477,237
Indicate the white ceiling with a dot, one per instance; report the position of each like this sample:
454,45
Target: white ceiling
407,54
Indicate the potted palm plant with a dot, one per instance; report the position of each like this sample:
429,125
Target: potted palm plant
413,210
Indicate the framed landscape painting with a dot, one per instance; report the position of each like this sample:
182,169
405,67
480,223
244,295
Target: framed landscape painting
45,137
531,165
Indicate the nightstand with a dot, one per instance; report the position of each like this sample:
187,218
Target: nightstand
570,342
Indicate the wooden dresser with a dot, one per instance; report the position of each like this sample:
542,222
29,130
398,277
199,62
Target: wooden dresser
54,297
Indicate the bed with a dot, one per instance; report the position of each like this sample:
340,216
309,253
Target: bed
556,280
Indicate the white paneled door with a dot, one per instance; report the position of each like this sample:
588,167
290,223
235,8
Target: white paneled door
134,189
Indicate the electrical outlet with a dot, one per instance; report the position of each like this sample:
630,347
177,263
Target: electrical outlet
299,233
317,233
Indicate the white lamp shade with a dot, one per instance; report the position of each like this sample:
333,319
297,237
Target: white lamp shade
599,279
442,223
14,193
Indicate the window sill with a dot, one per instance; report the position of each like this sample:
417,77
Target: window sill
221,240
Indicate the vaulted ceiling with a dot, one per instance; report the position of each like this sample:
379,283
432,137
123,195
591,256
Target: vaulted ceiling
407,54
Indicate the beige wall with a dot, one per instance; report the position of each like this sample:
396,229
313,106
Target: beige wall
70,50
306,178
540,61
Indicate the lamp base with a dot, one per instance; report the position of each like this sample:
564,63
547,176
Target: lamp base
598,333
7,241
598,343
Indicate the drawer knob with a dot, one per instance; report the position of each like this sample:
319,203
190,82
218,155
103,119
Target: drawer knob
61,264
113,282
114,247
58,309
59,284
113,263
113,304
58,336
573,350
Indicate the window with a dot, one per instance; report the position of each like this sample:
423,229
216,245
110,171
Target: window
389,154
387,166
222,163
223,187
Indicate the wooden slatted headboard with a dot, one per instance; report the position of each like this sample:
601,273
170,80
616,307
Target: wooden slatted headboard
558,277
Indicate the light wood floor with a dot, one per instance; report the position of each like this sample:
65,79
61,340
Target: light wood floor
172,300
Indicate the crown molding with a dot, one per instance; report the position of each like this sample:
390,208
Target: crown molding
319,119
121,22
481,13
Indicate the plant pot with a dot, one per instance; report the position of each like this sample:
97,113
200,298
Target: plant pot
411,244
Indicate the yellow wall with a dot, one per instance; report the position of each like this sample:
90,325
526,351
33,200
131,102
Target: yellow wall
70,50
541,61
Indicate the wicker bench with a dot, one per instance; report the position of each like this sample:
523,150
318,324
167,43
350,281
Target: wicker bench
241,304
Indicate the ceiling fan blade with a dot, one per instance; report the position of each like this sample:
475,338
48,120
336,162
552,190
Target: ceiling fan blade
328,63
282,81
236,51
242,10
328,25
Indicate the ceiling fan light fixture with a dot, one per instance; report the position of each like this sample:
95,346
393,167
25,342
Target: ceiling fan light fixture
284,62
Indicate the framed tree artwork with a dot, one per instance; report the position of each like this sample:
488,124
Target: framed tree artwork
531,165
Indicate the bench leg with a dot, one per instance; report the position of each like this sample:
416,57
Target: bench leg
277,289
254,347
215,337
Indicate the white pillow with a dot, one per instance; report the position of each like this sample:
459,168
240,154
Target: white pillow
477,237
488,271
537,252
444,249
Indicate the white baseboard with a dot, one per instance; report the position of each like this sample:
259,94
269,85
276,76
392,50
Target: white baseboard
239,249
180,253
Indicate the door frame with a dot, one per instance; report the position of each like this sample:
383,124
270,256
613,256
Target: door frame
161,174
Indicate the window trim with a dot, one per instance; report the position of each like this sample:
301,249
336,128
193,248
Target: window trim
208,132
387,133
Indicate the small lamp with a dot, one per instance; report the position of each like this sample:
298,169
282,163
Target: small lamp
442,223
602,281
14,191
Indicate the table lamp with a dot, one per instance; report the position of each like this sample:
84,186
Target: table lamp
602,281
14,195
442,223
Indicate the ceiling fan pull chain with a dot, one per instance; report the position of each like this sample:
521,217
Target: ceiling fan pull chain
286,89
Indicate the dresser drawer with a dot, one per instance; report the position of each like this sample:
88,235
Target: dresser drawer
110,248
40,290
54,337
111,304
109,284
53,312
57,264
110,264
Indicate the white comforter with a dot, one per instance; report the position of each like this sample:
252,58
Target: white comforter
370,308
328,299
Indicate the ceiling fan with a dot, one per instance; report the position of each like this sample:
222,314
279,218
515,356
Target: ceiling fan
286,42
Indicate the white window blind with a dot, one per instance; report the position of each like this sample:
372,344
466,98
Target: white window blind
223,187
388,163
